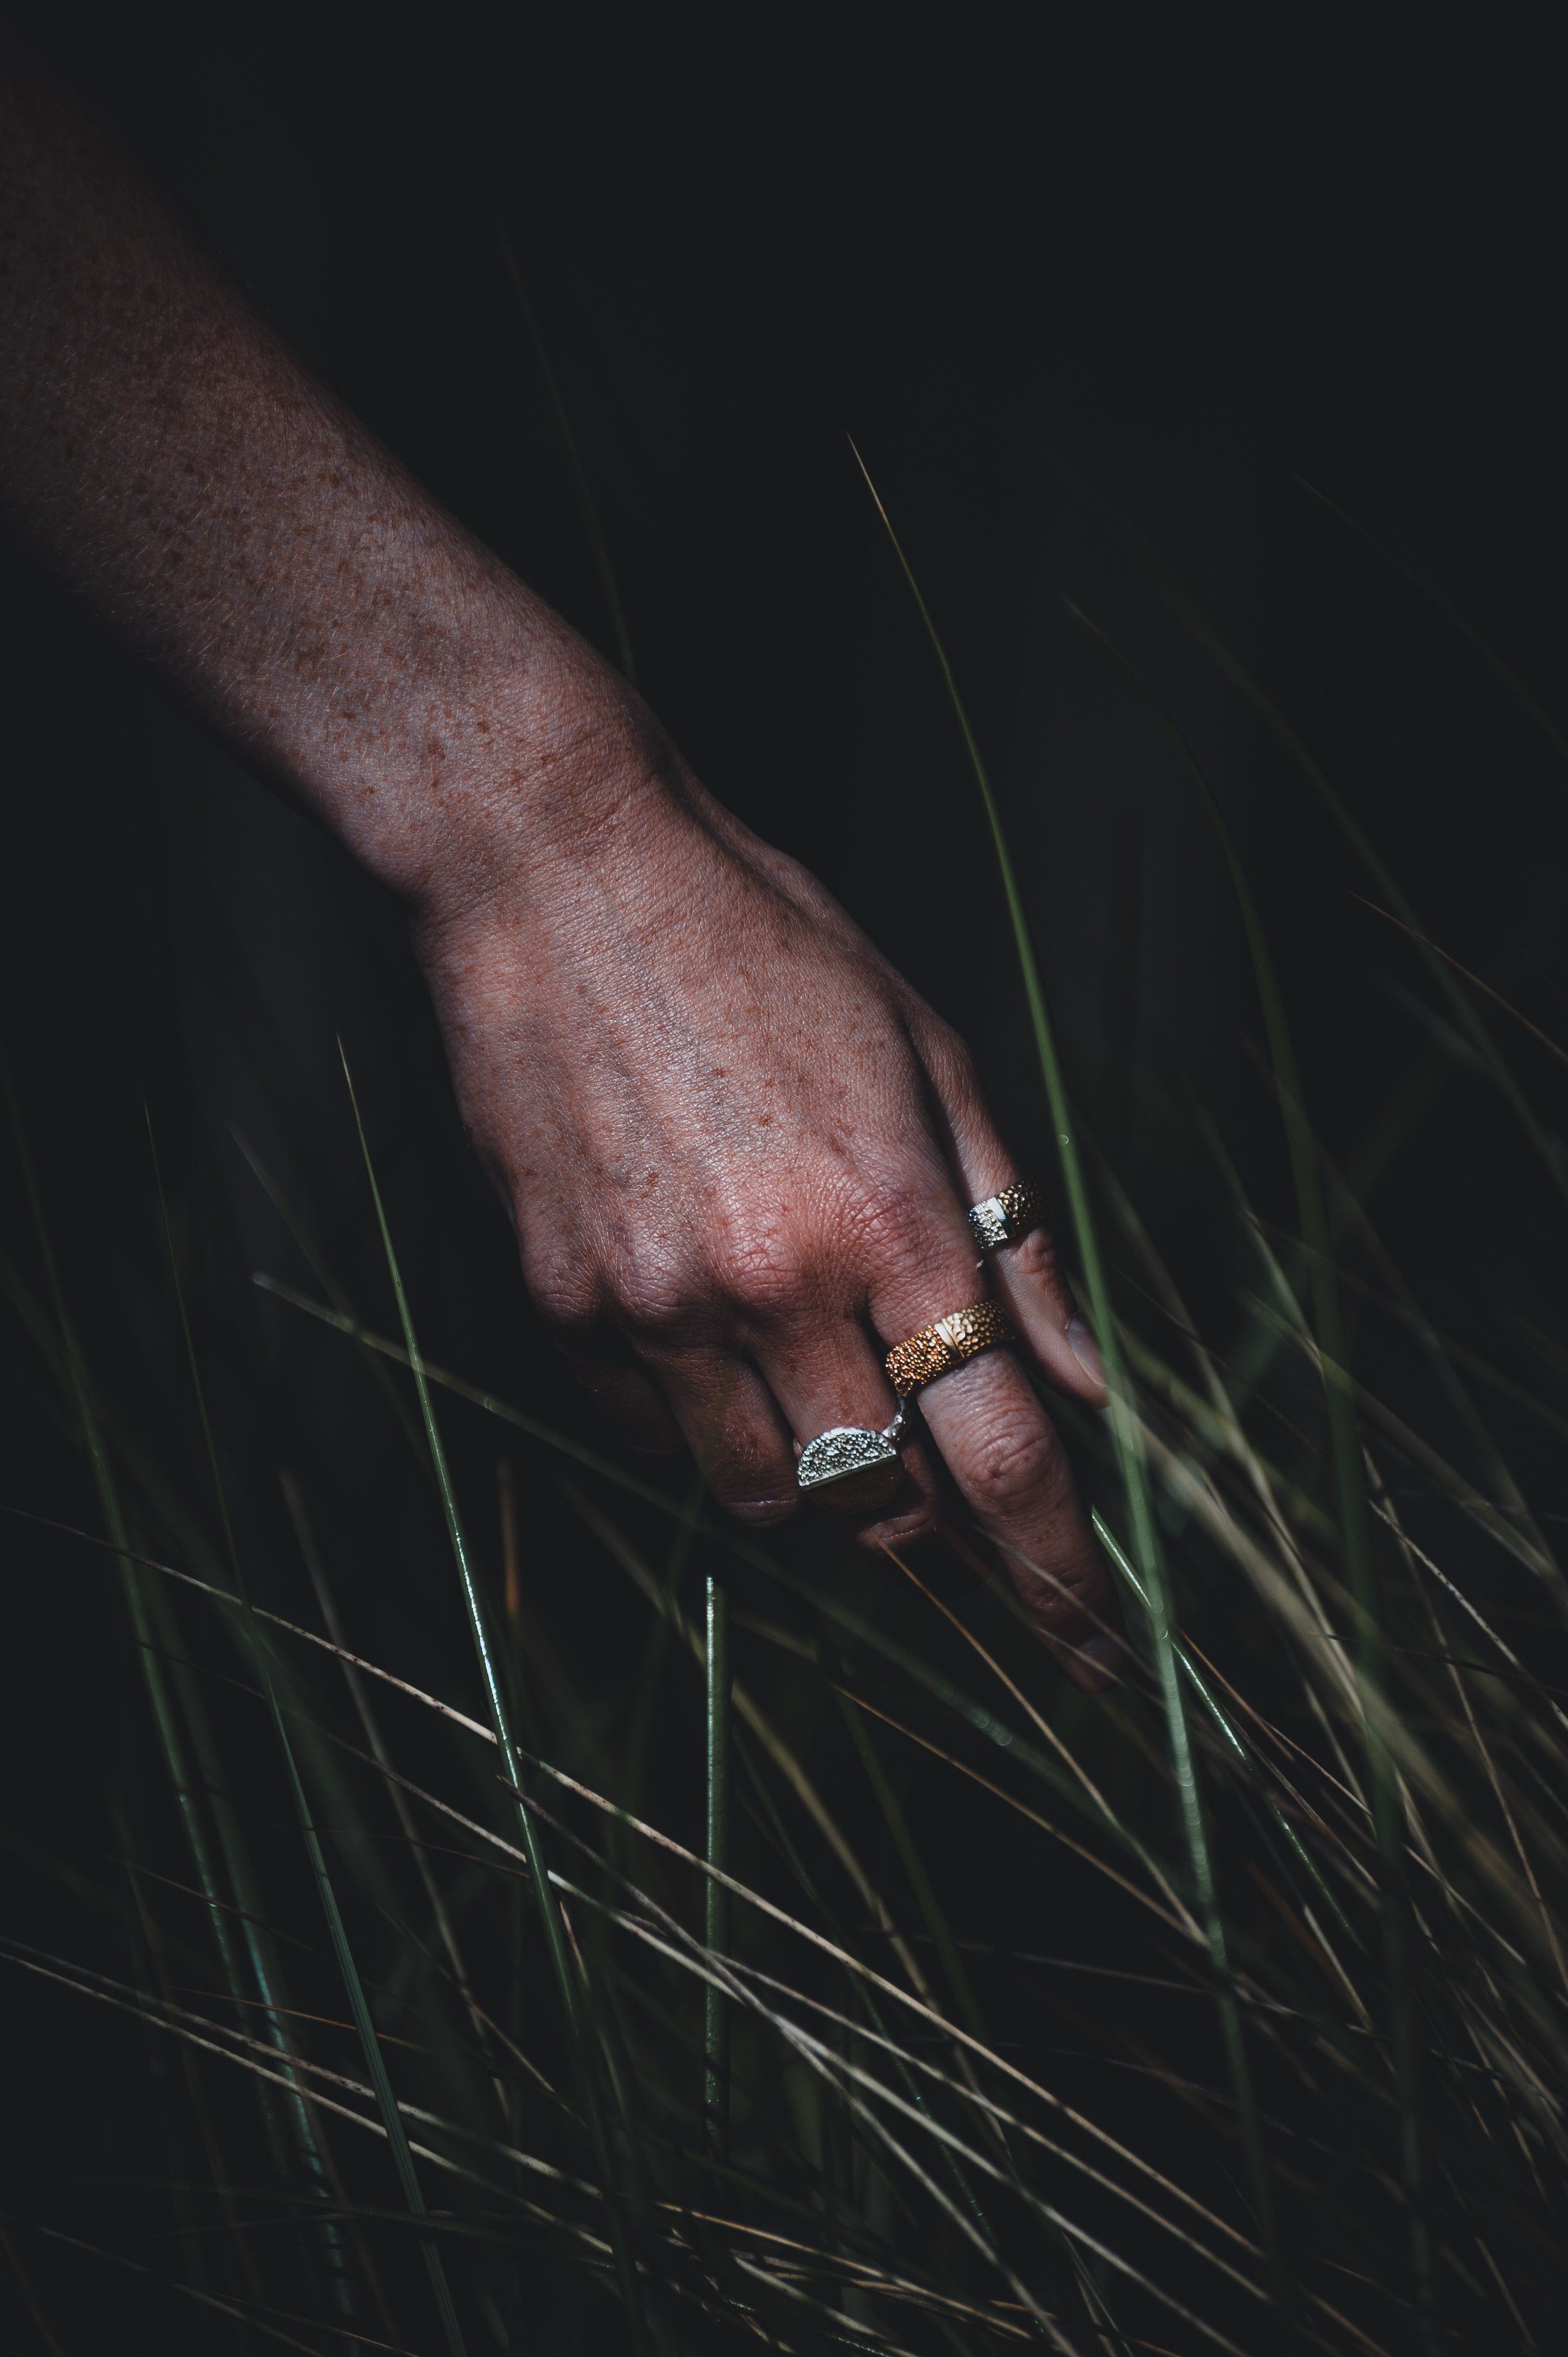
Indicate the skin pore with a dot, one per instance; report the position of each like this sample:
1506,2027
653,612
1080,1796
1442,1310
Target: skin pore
735,1145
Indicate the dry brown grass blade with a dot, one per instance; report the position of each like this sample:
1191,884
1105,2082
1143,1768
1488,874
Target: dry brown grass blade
1418,1555
1172,1922
355,2334
1496,996
1063,1752
517,1863
858,2271
353,1677
839,2069
1414,1760
1232,1434
275,1620
1482,1512
136,2004
1008,2119
854,1964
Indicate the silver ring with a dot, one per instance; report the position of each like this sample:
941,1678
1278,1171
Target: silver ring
1003,1219
852,1469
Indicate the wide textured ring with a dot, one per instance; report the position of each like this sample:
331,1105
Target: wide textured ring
1003,1219
936,1349
852,1469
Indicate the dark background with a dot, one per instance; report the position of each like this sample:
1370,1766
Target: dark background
1191,266
1041,271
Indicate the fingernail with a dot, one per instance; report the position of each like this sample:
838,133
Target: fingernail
764,1509
1080,1341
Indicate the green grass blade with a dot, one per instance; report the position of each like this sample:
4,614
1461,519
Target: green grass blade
1129,1454
150,1615
794,1775
440,1915
71,1366
555,1937
1226,1725
1191,615
375,2063
1468,1015
822,1600
1355,1521
716,1906
232,2309
942,1940
1503,673
310,1255
914,1865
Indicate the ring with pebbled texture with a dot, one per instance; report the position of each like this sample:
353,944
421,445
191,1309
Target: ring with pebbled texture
1003,1219
936,1349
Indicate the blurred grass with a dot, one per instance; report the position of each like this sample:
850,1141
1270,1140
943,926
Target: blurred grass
775,1951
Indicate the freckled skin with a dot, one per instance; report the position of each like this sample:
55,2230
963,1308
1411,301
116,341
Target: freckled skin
737,1147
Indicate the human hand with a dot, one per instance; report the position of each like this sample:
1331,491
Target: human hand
736,1145
737,1148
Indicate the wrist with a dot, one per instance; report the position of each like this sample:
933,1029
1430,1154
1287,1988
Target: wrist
505,748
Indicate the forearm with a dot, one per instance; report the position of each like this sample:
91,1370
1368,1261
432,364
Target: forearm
169,458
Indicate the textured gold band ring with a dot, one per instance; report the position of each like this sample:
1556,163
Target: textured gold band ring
936,1349
1003,1219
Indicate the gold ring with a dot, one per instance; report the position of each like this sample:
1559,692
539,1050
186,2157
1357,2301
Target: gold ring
936,1349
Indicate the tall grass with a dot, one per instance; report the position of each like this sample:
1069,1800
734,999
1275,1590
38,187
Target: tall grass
811,1968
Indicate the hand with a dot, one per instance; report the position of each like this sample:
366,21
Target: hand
739,1150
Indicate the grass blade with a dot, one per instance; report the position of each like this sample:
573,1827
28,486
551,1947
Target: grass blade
403,2159
1129,1453
152,1649
556,1935
1355,1522
1509,678
588,506
715,1902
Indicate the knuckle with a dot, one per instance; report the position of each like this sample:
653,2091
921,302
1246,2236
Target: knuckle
961,1073
751,1476
655,1294
950,1060
1019,1462
1035,1255
566,1290
759,1267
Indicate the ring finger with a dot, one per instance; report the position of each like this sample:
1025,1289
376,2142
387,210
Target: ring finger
1004,1452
